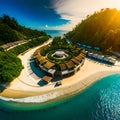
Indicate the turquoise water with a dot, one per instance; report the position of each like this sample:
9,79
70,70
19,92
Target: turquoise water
101,101
55,33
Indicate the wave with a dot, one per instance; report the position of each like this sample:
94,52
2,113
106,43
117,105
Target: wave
33,99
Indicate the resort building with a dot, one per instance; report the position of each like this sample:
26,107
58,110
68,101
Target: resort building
96,56
101,58
65,68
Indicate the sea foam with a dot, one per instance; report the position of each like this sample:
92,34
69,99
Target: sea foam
33,99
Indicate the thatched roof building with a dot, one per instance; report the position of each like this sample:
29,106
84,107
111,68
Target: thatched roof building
70,65
63,67
47,79
48,64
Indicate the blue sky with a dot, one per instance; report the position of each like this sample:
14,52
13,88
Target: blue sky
53,14
32,13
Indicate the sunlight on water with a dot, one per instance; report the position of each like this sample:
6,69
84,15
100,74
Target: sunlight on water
55,33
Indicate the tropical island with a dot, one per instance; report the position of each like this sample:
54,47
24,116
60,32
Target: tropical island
77,64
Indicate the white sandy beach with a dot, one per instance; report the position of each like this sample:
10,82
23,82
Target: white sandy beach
25,88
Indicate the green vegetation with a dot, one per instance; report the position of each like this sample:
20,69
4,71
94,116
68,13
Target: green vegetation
22,48
11,31
59,43
102,29
10,66
1,49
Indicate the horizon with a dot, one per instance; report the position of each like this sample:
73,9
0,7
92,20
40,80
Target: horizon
55,14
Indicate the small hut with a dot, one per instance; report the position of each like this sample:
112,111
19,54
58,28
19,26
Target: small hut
49,64
75,61
63,67
70,65
47,79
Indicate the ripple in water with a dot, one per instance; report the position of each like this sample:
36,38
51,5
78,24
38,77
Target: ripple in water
108,104
101,101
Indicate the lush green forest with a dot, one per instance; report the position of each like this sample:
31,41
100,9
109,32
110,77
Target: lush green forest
10,30
10,64
102,29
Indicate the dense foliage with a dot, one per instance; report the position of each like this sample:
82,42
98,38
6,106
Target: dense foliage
102,29
60,43
10,66
11,31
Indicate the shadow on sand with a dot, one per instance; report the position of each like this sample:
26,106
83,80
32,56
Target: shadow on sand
3,86
36,70
41,83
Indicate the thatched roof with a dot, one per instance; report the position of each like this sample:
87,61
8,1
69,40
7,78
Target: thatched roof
62,66
79,48
49,64
70,64
75,61
47,79
39,57
36,53
43,61
81,55
78,58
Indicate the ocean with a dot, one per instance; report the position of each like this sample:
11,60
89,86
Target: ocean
101,101
55,33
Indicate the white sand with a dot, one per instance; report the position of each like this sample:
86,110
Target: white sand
26,84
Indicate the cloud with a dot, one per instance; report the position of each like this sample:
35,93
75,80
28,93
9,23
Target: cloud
77,10
70,10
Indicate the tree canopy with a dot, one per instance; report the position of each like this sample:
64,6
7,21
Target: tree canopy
10,64
10,30
102,29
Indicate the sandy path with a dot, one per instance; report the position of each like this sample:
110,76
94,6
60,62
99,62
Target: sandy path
26,85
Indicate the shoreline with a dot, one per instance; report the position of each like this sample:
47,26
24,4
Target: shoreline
25,88
53,95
